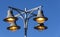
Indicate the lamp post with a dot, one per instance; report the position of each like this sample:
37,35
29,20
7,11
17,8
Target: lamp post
40,18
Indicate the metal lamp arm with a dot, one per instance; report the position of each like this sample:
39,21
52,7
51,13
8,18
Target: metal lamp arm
19,15
32,15
20,11
31,11
34,9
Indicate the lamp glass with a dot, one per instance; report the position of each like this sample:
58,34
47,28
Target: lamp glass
13,28
40,20
10,19
40,27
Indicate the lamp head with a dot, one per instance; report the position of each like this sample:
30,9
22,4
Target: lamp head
13,27
10,17
40,18
40,27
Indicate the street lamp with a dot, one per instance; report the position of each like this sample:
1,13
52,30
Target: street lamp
39,18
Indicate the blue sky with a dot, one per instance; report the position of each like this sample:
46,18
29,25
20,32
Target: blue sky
51,10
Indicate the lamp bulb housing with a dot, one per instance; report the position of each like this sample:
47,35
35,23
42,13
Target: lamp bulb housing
40,27
40,19
13,28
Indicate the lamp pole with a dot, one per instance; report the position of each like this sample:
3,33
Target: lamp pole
27,15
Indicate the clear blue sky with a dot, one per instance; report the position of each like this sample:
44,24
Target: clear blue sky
51,10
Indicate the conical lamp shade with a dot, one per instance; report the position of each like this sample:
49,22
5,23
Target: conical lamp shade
13,27
10,13
40,13
40,17
10,17
40,27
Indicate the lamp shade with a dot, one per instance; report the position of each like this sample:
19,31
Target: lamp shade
40,18
10,17
40,27
13,27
